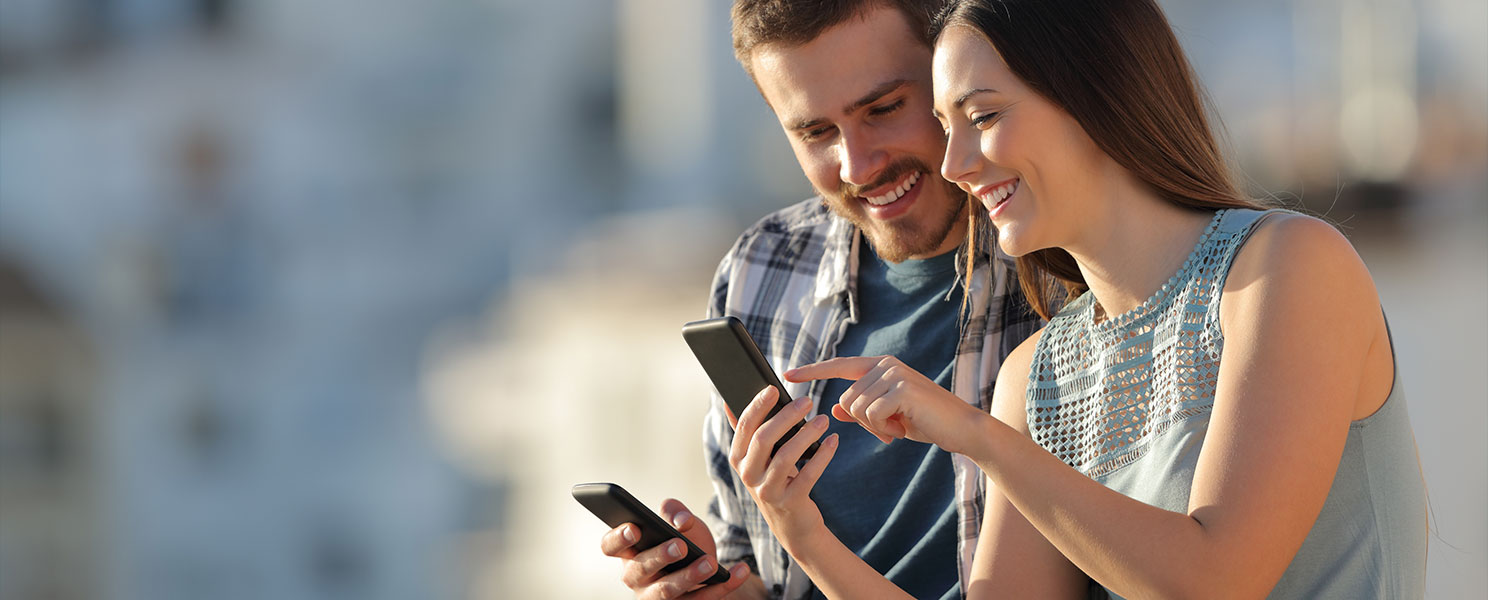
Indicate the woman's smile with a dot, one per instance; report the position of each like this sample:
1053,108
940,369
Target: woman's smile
994,197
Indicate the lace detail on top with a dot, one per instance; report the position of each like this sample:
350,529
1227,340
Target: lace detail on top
1099,392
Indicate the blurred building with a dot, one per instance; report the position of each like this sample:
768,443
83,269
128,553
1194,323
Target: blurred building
252,215
581,376
335,299
50,472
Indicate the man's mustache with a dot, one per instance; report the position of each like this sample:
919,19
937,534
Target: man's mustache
891,174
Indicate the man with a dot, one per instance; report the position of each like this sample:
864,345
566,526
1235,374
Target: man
849,82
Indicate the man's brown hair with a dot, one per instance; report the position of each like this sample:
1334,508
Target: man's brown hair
796,22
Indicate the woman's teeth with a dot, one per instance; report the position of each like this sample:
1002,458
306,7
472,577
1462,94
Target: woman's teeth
895,193
1002,192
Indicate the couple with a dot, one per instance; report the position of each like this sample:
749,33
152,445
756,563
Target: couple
1213,412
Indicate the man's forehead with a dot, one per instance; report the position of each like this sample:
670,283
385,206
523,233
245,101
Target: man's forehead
791,91
820,78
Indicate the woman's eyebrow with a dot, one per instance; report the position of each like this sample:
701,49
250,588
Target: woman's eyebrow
962,100
969,93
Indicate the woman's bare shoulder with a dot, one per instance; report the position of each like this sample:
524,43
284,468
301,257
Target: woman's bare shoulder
1009,397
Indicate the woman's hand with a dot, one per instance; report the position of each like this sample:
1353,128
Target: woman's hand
891,400
779,488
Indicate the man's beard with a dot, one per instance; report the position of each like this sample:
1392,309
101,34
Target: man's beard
896,241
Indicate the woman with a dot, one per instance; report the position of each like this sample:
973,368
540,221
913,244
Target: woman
1213,413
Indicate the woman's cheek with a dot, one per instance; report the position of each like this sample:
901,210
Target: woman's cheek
993,142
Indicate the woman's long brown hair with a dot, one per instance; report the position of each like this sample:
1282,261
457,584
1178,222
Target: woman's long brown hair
1116,67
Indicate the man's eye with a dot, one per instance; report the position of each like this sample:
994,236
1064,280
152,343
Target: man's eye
887,108
816,134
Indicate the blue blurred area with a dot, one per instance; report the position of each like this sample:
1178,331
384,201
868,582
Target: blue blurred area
279,279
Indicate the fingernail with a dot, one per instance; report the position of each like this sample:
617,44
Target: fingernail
738,570
630,534
680,519
831,440
705,567
800,403
819,422
674,549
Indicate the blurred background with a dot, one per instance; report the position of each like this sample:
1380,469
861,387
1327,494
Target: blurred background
316,299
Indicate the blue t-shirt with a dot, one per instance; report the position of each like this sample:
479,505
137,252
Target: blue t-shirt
893,505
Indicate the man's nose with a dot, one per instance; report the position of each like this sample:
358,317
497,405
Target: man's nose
861,157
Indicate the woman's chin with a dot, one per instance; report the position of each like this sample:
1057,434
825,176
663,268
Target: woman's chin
1011,244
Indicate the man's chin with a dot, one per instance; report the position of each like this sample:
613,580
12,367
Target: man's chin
900,239
896,246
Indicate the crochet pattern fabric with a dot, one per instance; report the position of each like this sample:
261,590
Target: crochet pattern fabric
1099,390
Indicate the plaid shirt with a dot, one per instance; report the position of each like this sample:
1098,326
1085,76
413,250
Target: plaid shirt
792,280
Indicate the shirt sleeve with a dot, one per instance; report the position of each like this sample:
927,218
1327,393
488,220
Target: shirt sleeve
726,510
1019,320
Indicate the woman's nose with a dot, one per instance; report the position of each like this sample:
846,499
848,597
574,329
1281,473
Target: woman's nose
961,159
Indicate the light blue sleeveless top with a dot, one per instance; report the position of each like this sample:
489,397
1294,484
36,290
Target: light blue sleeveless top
1127,402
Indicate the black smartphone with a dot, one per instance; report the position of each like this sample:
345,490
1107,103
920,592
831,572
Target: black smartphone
738,369
616,507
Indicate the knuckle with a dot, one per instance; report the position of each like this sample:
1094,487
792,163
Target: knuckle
656,558
747,475
670,588
631,575
755,447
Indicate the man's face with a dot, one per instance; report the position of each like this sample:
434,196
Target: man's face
856,105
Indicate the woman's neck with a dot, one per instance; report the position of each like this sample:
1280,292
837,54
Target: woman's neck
1128,253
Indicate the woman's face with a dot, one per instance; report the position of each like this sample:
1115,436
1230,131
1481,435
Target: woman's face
1028,162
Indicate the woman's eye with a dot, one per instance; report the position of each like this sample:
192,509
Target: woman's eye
980,120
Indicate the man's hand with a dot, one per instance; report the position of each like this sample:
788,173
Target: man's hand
642,570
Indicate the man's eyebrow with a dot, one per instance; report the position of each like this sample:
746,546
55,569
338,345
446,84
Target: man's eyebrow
872,96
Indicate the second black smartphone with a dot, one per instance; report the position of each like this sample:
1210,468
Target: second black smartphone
738,369
616,507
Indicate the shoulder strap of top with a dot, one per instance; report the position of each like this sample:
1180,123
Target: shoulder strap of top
1235,228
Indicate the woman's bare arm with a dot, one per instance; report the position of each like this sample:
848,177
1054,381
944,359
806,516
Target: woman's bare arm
1300,317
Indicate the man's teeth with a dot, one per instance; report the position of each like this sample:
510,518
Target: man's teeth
895,193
